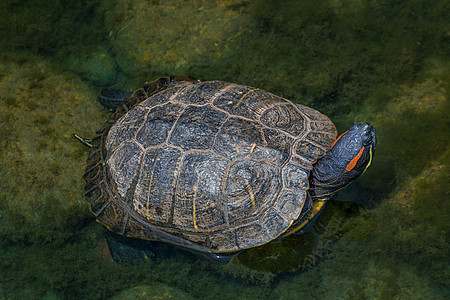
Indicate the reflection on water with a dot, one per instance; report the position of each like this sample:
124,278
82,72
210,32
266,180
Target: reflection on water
384,63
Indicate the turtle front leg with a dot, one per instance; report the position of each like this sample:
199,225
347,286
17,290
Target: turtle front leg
86,142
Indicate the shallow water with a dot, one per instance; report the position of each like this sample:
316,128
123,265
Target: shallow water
364,61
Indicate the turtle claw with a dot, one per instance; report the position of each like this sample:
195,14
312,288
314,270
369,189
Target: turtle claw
86,142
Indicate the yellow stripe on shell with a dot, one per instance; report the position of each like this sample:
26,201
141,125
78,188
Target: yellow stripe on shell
253,147
240,100
252,196
147,206
193,207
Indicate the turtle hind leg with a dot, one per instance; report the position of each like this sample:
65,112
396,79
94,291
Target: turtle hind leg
128,250
135,251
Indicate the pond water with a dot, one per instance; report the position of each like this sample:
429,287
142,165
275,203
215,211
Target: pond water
384,237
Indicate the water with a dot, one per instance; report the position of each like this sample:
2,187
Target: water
373,61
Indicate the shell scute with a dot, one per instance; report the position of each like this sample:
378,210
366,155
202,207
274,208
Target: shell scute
238,138
197,127
251,187
245,101
158,123
153,197
123,165
278,147
200,94
290,203
199,194
284,117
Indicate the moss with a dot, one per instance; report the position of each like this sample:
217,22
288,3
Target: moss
411,132
46,27
157,291
375,61
290,254
194,33
406,255
34,144
49,240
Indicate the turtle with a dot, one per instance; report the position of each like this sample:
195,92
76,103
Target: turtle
216,167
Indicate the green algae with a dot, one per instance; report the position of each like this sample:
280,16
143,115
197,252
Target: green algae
375,61
35,185
155,292
407,254
289,254
47,27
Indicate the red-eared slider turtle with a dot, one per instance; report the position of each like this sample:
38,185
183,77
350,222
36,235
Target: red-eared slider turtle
217,167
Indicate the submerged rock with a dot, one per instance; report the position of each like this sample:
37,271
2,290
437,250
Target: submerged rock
98,67
171,36
41,164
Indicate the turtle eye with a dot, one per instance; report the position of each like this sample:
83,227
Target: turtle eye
368,141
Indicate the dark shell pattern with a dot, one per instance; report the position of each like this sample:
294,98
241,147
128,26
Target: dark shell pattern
211,166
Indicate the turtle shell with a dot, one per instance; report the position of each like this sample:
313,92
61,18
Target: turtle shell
211,166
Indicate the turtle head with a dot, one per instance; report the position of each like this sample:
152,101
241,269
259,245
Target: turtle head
349,156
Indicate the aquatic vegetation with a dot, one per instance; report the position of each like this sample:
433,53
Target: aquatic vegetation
375,61
40,189
47,27
172,36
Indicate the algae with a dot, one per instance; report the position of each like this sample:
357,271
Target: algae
378,61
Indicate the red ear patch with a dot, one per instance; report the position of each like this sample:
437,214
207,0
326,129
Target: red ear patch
353,162
332,145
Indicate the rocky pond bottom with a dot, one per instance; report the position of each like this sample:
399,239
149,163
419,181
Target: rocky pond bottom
386,236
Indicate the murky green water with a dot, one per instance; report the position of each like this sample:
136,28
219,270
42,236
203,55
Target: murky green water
374,61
